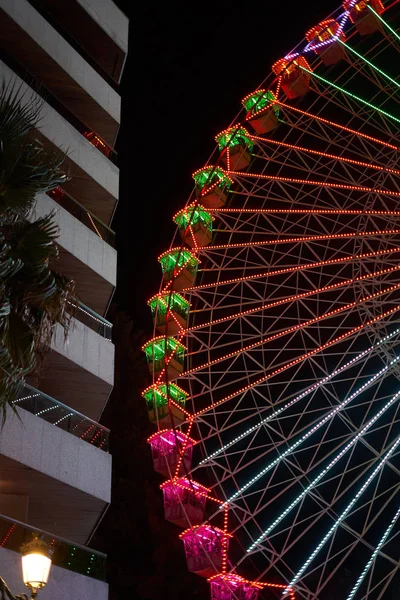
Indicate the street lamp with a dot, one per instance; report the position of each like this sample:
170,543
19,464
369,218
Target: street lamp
36,564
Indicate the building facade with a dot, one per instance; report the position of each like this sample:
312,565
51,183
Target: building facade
54,461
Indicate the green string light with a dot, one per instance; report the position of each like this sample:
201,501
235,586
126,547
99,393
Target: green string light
369,63
160,305
380,110
384,22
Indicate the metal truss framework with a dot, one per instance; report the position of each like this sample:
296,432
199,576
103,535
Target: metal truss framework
294,342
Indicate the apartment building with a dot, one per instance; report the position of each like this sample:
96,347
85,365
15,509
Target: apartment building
55,469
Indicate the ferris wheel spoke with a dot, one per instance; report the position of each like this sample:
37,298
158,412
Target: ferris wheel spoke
290,344
295,400
294,269
359,538
321,184
290,299
292,329
343,515
296,361
370,64
263,141
337,126
328,85
374,555
275,149
386,25
311,430
318,221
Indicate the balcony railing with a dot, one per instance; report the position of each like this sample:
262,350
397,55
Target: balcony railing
63,31
83,215
59,107
62,416
93,320
66,555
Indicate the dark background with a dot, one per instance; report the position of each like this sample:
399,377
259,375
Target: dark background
189,66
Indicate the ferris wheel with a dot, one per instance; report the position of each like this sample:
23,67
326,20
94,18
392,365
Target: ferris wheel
276,349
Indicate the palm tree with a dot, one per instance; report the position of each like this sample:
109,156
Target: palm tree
33,297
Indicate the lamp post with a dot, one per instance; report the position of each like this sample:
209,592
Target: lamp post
36,564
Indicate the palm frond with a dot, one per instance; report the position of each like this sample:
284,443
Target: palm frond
33,297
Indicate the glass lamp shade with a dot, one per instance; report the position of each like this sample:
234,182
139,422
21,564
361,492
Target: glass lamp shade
35,570
36,564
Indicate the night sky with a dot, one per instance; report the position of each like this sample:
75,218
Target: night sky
188,68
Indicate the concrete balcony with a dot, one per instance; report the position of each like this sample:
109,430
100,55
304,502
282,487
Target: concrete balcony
78,371
40,49
84,256
94,178
110,18
96,29
51,479
63,584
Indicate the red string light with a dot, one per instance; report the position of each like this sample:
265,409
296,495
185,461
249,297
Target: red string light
292,329
190,486
333,124
329,185
325,154
224,541
294,297
305,211
185,443
8,534
267,274
297,360
306,238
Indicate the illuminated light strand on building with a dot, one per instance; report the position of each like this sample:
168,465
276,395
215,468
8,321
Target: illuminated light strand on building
324,154
337,125
350,94
304,238
25,398
85,433
384,22
303,394
296,361
307,294
374,555
63,418
343,515
45,410
374,67
103,442
294,328
9,532
311,431
324,184
92,441
331,464
304,267
94,225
